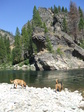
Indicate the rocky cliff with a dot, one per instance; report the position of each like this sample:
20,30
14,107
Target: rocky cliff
66,53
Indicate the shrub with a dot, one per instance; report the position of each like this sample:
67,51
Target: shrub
49,45
26,62
59,51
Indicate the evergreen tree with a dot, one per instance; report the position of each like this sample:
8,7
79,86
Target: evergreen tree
29,46
36,18
16,53
34,48
55,10
45,28
23,35
3,55
81,21
25,39
80,12
81,24
49,45
64,25
52,9
17,37
29,30
63,9
7,45
59,9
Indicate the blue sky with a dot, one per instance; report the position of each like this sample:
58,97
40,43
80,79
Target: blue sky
15,13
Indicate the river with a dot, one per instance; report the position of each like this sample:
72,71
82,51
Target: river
71,79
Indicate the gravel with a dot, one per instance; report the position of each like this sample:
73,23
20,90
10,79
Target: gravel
34,99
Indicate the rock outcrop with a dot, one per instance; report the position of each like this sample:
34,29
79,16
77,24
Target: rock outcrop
66,53
66,58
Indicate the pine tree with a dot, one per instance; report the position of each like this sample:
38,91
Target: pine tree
25,39
29,46
45,28
29,30
7,45
65,25
3,55
59,9
49,45
16,53
17,37
63,9
52,9
80,12
81,24
36,18
24,33
55,10
81,21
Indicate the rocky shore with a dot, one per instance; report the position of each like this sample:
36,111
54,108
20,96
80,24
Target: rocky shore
34,99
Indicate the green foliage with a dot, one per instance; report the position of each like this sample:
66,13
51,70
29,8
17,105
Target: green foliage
65,29
59,9
29,30
81,21
82,44
55,10
24,37
63,9
36,18
16,53
26,62
45,28
49,45
81,24
7,45
66,10
17,37
52,9
5,52
59,51
80,12
28,44
34,48
3,55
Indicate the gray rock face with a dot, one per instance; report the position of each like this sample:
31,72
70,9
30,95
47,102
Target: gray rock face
46,16
69,57
49,61
46,62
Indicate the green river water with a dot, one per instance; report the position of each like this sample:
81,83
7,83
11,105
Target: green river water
71,79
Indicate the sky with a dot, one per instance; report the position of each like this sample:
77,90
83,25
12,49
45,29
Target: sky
15,13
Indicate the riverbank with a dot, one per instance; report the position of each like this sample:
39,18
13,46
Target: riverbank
34,99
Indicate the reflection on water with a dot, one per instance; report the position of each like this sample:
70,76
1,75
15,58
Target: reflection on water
72,79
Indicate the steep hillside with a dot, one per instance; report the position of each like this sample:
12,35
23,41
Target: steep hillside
7,34
66,53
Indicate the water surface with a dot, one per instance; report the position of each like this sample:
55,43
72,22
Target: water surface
71,79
